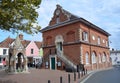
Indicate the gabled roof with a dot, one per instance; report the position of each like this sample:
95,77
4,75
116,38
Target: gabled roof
72,19
25,43
39,44
8,41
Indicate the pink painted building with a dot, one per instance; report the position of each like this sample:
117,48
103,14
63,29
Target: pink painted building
32,52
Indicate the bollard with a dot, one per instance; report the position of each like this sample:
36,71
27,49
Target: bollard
61,79
74,76
68,78
48,81
86,71
81,73
78,75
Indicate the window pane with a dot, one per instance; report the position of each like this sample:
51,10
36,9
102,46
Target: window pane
87,58
98,40
4,51
32,51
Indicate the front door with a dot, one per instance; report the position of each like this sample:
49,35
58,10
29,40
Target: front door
53,63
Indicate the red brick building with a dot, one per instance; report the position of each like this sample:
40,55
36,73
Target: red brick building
70,40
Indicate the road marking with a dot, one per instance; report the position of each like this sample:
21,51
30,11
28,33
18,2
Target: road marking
87,77
90,74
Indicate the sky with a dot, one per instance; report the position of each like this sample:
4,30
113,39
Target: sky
103,13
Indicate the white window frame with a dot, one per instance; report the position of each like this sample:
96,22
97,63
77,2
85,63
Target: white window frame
104,58
106,43
57,20
93,57
87,58
85,36
32,51
4,51
100,58
98,40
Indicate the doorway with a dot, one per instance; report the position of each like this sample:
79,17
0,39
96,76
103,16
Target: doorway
19,62
53,63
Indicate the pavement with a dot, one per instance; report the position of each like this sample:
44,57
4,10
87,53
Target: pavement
36,76
42,76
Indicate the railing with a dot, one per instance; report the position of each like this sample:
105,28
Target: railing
60,55
65,59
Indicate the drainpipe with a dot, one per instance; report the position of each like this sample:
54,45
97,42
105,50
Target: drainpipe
90,48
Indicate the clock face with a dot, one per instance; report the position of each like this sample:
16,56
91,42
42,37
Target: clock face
57,12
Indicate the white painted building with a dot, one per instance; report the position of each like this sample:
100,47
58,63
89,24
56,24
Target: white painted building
3,55
115,56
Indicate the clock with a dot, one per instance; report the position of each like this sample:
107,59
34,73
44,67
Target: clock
57,12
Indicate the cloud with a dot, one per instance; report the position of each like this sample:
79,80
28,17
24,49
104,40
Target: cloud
103,13
45,11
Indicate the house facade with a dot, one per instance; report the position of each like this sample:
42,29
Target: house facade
3,55
31,49
70,40
115,56
32,52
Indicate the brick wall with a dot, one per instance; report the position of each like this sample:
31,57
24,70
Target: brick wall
74,47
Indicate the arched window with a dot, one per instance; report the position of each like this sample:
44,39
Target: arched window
93,57
100,58
71,36
87,58
103,57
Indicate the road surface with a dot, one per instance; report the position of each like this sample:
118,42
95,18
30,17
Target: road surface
106,76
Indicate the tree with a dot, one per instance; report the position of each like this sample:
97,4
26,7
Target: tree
19,15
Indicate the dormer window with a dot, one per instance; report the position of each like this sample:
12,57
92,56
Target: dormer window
57,14
57,19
